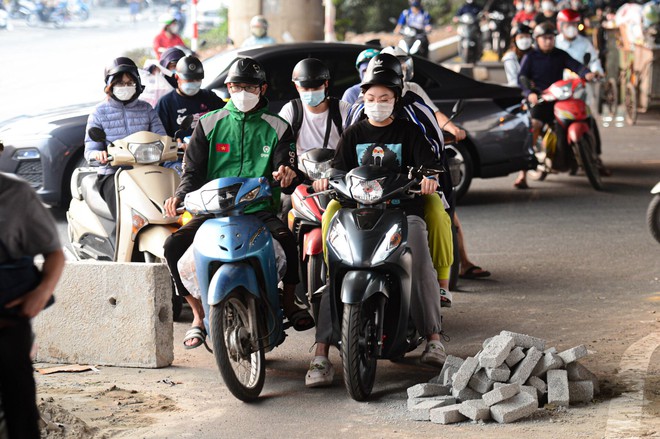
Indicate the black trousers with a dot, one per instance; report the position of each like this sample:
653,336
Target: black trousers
106,187
177,244
17,388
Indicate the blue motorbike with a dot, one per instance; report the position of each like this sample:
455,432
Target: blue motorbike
237,273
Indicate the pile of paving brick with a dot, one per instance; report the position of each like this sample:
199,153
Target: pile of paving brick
509,379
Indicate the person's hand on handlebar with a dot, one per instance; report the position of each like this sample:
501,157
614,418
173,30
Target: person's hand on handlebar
170,206
590,76
284,175
320,185
429,185
101,157
533,98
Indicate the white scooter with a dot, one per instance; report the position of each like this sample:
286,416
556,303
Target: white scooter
142,227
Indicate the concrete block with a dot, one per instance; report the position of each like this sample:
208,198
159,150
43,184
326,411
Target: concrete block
446,415
577,372
496,351
462,377
480,382
558,387
421,411
538,384
515,356
114,314
449,368
501,393
427,389
485,343
580,391
573,354
526,341
517,407
475,409
524,369
465,394
549,361
531,391
446,400
552,350
500,373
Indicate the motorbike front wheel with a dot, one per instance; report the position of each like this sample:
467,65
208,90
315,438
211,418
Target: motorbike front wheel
241,364
589,158
358,348
314,282
653,217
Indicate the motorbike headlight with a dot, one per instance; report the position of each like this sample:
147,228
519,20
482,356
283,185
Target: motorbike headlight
249,196
390,242
146,152
338,240
315,170
462,30
366,191
562,92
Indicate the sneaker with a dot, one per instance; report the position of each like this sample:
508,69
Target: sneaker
445,298
434,354
320,373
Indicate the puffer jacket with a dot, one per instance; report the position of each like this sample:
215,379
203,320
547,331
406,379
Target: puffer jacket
118,121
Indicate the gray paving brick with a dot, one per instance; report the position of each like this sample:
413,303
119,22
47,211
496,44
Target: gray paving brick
524,369
465,394
500,373
496,351
421,411
480,382
462,377
526,341
517,407
577,372
573,354
549,361
475,409
449,368
501,393
538,384
427,389
531,391
580,391
447,400
446,415
558,387
515,356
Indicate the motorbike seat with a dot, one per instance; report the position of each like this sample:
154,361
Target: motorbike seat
93,198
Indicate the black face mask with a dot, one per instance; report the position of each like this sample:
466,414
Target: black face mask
171,80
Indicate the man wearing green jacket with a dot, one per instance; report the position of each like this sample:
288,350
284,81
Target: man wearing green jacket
243,139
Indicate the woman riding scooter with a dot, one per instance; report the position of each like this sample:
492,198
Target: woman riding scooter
119,115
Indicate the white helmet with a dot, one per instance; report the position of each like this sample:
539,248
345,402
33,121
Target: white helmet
404,58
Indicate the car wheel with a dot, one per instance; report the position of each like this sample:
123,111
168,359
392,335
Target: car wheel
465,167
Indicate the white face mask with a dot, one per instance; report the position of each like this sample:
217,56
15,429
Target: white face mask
313,98
123,93
245,101
547,6
570,32
377,111
529,8
524,43
190,88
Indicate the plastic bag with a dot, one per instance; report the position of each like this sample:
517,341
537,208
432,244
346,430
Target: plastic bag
186,267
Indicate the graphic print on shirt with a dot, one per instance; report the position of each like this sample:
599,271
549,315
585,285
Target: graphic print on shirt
380,154
183,113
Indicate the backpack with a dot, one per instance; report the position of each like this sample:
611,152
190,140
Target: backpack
299,113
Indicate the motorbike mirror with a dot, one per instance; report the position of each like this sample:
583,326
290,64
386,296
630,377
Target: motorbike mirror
403,46
587,59
392,20
458,107
415,47
96,134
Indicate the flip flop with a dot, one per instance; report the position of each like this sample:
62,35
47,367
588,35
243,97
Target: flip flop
301,320
195,333
445,298
474,272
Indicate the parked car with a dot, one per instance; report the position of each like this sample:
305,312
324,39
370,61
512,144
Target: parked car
45,149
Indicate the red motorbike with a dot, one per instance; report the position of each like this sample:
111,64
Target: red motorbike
573,142
305,222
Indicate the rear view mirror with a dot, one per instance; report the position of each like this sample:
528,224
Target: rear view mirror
96,134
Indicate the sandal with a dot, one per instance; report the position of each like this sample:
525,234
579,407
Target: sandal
521,184
301,319
474,272
445,298
196,333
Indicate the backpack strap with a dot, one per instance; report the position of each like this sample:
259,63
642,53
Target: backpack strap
335,114
298,114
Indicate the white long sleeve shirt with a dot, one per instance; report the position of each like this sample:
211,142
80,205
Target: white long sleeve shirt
577,48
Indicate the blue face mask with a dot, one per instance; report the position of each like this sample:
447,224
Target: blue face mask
313,98
190,88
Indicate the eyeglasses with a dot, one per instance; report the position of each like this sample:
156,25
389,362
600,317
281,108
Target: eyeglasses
248,88
125,84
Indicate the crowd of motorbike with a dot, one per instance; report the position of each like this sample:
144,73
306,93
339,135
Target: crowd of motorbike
52,12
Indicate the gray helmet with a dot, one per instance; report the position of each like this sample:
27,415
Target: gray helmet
190,67
246,70
310,73
545,28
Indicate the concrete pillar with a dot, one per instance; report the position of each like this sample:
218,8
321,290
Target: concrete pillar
288,20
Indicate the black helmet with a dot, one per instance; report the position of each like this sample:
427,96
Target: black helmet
310,73
379,74
120,66
520,29
246,70
190,67
173,54
545,28
387,61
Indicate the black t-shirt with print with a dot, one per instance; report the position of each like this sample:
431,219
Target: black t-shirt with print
395,146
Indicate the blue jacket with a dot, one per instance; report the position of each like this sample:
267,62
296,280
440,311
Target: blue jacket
119,120
543,69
